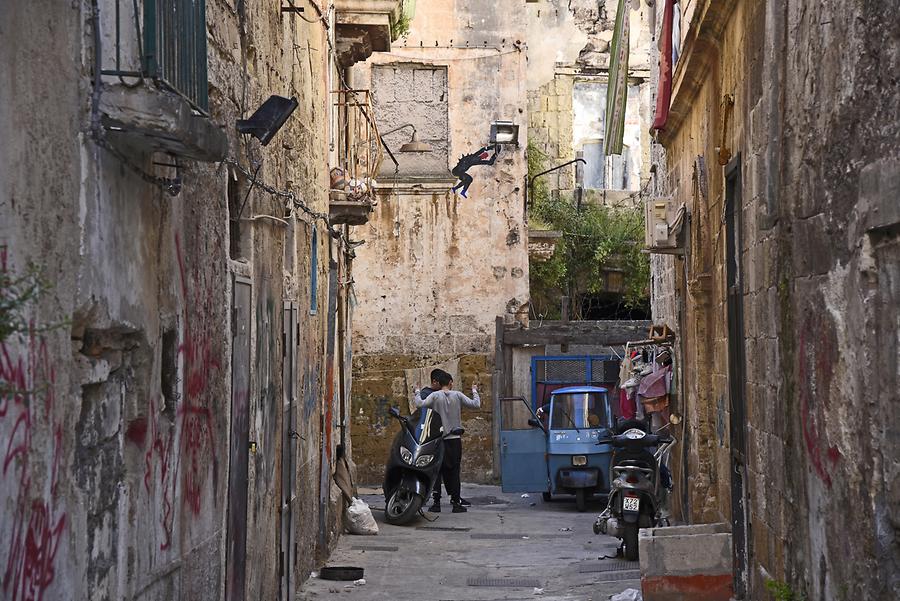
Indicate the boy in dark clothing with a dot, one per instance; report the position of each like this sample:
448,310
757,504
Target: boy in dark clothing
479,157
448,404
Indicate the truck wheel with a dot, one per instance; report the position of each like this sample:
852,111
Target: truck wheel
580,499
547,497
402,506
631,542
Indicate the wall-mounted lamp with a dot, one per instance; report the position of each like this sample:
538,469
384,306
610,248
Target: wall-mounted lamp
504,132
414,145
268,119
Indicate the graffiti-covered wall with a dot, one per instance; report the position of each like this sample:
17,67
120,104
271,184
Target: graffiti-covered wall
166,399
783,144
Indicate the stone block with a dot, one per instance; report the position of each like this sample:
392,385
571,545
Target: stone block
879,190
686,562
464,324
474,343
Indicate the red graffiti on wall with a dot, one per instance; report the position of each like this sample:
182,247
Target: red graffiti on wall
27,382
159,450
815,381
196,450
198,446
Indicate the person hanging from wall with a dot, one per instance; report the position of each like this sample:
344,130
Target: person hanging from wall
448,403
466,162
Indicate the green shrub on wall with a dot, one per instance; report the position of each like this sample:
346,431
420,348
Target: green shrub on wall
596,241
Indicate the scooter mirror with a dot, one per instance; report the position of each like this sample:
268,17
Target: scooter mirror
674,419
394,411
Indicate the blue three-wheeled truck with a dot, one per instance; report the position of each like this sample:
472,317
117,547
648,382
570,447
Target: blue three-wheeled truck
552,448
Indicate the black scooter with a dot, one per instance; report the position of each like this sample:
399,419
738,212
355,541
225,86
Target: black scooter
637,493
413,465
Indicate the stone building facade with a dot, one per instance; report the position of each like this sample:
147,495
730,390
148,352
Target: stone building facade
436,269
783,143
569,45
172,408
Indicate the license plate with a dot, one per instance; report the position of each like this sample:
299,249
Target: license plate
631,504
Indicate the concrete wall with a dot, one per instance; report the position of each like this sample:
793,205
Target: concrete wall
814,124
118,460
437,268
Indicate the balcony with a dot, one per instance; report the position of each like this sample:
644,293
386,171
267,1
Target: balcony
359,156
367,26
155,86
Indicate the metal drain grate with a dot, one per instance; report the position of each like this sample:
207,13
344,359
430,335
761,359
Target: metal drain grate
615,565
505,582
500,536
444,528
374,548
619,576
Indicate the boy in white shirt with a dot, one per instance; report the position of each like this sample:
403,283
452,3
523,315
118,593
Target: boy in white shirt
448,404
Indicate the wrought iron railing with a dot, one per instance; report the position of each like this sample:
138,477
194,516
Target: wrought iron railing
169,46
175,47
359,146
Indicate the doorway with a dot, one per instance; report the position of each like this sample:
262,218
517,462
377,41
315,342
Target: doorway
737,375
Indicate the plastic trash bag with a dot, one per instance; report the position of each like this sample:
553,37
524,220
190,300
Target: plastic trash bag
359,518
630,594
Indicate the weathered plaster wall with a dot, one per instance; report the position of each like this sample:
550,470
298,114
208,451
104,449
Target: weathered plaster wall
437,269
814,125
117,464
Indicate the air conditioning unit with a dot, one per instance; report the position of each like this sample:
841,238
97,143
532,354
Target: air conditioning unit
663,222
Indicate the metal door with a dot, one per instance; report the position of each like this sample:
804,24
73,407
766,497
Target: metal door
523,449
289,437
239,441
736,376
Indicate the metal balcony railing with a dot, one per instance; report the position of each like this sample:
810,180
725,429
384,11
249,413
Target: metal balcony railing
175,47
359,145
165,40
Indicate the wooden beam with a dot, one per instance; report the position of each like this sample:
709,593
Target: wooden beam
596,333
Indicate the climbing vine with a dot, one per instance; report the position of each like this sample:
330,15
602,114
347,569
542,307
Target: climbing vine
597,241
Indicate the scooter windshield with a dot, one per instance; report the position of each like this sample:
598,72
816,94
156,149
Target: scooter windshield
425,425
577,411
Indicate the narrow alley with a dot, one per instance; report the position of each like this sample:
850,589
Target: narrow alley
614,284
507,546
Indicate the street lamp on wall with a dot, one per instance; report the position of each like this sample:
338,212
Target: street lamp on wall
413,146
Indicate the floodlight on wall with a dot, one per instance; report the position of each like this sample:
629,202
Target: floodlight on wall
504,132
268,119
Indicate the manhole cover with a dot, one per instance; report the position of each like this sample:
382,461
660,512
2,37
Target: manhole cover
505,582
503,536
374,548
613,565
619,576
444,528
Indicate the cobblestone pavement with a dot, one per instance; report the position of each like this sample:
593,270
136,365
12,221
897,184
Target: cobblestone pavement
532,549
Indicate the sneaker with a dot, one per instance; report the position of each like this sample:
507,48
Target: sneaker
435,507
457,508
464,502
463,194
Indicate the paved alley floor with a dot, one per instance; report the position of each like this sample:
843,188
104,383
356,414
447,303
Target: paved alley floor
505,548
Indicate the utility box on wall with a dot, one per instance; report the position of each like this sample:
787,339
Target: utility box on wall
663,223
